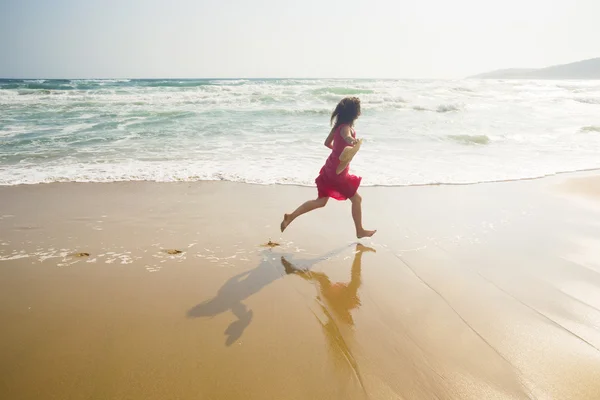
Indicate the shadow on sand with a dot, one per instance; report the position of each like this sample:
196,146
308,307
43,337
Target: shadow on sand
231,295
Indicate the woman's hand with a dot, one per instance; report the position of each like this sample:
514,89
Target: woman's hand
350,140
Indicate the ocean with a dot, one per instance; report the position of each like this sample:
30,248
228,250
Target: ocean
271,131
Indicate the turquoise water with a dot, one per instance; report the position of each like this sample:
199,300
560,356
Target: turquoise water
271,131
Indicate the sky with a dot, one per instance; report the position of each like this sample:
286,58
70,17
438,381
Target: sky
281,38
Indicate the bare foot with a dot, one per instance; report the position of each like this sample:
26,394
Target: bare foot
365,233
286,221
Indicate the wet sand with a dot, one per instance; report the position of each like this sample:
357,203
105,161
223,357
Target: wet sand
487,291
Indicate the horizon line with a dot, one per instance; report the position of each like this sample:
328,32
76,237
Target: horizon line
224,79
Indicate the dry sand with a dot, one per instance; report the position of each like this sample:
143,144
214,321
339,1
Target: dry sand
487,291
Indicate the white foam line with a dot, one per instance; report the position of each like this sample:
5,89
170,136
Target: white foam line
14,257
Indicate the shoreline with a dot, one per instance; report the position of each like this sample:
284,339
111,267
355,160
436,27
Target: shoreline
580,172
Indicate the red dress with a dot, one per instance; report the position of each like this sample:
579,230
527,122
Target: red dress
330,184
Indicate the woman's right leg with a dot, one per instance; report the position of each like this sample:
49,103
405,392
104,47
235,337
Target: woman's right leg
357,217
303,209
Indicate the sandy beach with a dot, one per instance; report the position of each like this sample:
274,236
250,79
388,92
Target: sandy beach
144,290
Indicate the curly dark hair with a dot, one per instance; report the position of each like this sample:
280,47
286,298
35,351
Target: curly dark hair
346,112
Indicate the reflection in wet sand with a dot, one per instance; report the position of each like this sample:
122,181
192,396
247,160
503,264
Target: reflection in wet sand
336,301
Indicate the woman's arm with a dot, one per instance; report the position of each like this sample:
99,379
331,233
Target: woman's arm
329,141
347,135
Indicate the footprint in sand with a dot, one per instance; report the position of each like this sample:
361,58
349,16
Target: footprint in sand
80,254
173,251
